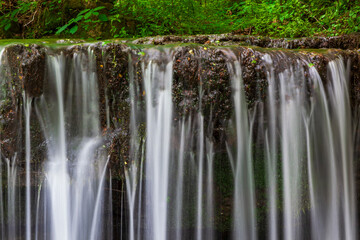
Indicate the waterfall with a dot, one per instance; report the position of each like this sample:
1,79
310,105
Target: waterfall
184,142
133,173
12,180
199,218
310,144
179,183
76,167
292,148
27,105
157,87
333,199
271,152
1,162
244,209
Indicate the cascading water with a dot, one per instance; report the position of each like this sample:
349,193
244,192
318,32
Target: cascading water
157,85
27,105
244,209
292,147
1,162
69,200
334,202
271,152
9,173
11,213
75,168
280,166
167,208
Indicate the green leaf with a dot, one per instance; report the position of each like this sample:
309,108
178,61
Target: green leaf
61,29
74,29
7,26
14,12
103,17
98,8
87,15
310,65
78,18
83,11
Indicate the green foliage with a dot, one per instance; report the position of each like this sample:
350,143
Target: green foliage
84,17
28,18
138,18
13,16
161,17
297,18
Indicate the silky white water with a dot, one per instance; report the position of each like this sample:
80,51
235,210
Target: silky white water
76,167
271,151
241,161
157,87
157,209
310,137
1,162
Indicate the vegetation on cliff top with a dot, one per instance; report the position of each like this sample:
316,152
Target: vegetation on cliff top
99,19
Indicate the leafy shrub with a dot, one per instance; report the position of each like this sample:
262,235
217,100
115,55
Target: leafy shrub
296,18
83,17
139,18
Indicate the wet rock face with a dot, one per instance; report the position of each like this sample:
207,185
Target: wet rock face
353,59
10,134
112,67
112,64
10,107
28,67
201,82
253,73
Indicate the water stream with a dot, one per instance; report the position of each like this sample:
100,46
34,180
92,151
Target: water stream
181,179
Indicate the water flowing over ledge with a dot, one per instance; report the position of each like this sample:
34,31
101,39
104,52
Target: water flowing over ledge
113,141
